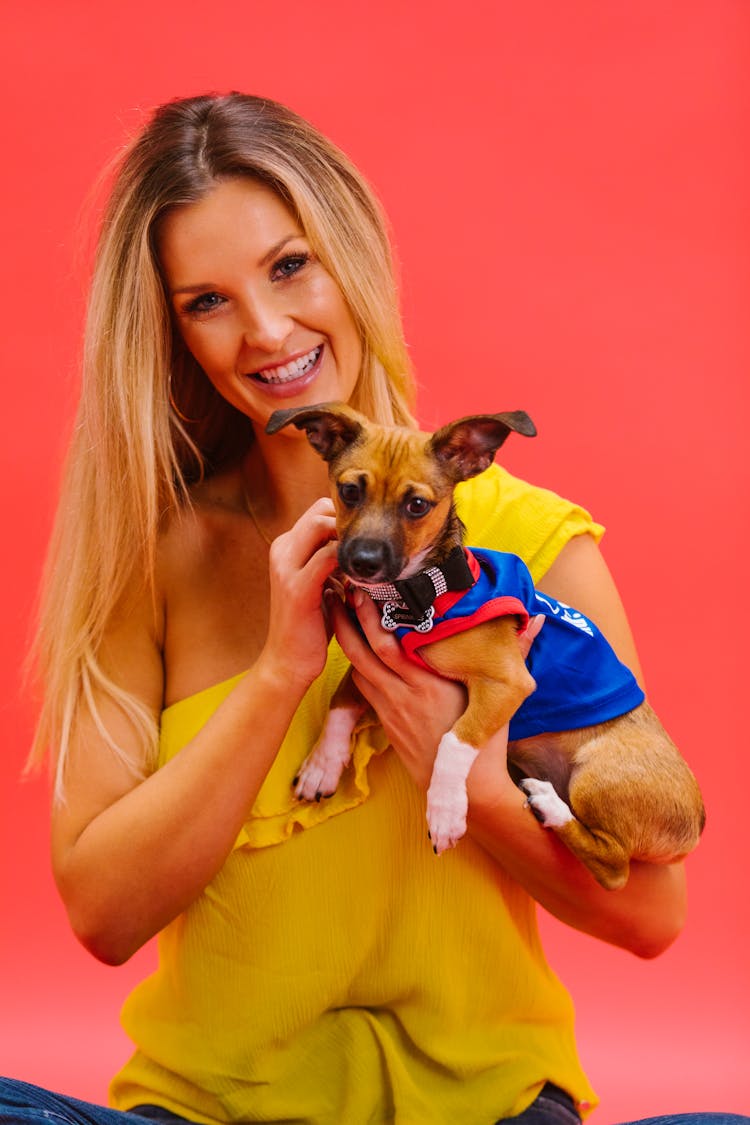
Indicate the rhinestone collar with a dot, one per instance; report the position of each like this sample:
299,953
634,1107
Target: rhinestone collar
410,602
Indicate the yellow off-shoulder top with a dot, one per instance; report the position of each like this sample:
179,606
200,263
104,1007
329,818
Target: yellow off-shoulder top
335,972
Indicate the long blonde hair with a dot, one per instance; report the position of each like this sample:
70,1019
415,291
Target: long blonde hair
149,423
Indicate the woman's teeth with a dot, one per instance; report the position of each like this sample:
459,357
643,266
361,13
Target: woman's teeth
288,371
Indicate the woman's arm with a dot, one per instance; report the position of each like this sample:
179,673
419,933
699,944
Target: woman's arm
580,577
416,707
129,854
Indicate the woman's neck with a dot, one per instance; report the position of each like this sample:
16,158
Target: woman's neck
282,476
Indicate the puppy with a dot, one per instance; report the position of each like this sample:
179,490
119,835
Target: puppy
591,756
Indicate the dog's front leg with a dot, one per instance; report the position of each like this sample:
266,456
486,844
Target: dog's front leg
321,770
489,661
447,798
491,705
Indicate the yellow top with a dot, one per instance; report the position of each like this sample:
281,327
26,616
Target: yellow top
343,975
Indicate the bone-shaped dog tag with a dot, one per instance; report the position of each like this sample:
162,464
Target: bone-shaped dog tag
395,617
425,625
387,620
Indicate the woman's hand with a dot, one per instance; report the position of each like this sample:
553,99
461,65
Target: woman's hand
415,707
300,561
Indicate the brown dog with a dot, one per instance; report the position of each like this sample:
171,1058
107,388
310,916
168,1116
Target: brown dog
612,789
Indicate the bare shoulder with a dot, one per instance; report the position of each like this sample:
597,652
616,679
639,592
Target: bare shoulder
580,577
212,574
191,530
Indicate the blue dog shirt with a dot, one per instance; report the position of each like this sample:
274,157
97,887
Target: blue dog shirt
580,681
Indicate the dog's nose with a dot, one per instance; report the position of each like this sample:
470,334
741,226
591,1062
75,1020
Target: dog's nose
366,558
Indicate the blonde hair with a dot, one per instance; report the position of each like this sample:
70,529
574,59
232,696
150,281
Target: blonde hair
149,423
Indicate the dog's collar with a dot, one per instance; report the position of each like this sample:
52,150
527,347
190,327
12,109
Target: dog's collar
410,602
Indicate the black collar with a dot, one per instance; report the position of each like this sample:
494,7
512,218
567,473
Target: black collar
409,602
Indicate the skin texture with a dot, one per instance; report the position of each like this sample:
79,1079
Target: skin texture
226,602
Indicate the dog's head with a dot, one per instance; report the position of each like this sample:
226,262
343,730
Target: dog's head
393,487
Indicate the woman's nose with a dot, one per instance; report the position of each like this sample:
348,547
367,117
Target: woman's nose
266,324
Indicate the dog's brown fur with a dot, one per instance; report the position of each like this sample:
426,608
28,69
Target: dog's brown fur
631,793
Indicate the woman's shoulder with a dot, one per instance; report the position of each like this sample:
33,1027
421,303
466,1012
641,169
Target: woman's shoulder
212,580
208,548
505,513
201,526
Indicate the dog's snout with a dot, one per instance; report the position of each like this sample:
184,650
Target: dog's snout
365,558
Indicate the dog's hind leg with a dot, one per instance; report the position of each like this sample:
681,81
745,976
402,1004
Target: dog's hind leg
601,852
321,770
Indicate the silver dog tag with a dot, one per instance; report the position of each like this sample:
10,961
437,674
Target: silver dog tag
394,617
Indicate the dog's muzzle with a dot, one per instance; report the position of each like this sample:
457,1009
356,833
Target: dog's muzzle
366,559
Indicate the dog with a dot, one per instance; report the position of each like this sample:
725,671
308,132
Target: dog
600,771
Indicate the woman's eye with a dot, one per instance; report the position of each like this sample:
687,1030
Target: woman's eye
205,303
289,265
350,494
417,506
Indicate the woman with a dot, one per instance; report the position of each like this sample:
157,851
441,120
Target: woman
317,963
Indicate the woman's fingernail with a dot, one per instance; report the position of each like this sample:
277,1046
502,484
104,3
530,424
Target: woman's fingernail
358,599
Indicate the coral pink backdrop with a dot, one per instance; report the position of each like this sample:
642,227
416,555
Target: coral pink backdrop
568,190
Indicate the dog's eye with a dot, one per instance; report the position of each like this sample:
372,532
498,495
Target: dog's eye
417,507
350,494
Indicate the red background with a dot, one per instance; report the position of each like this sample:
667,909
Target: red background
568,189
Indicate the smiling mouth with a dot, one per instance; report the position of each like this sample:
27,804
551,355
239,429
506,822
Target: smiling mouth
288,372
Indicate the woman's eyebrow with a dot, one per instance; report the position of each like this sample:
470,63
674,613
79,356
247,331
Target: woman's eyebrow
279,246
202,286
206,285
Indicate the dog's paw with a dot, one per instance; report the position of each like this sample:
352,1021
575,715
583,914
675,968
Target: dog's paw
549,809
318,777
447,805
321,770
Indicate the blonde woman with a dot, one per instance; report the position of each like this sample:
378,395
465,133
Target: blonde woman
317,963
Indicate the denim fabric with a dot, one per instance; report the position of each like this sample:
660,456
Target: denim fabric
707,1118
551,1106
22,1104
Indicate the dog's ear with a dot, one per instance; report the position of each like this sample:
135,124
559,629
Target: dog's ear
330,426
468,446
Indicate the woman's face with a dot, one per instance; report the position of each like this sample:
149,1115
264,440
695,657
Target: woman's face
266,322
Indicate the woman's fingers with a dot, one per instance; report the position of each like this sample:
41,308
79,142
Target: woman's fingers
353,644
302,558
377,654
414,706
322,564
315,527
530,633
300,562
383,642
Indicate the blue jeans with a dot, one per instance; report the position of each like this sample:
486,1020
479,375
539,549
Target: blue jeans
22,1104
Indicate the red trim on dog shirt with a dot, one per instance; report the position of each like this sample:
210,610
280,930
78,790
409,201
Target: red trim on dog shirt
496,607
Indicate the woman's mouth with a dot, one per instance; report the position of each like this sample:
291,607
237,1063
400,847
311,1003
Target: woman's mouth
289,372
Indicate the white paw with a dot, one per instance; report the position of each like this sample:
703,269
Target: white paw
321,771
317,779
544,802
447,805
447,800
